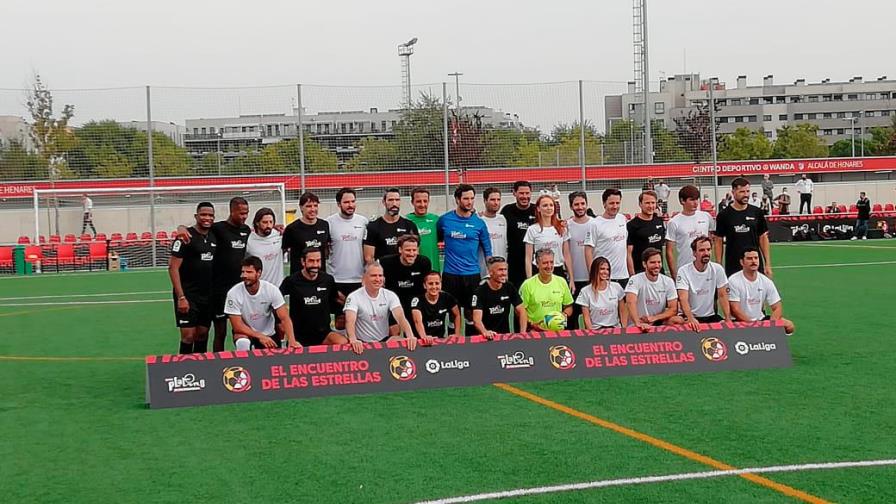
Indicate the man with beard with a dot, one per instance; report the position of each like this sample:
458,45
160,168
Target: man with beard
741,225
265,244
231,235
646,229
367,312
519,215
749,291
497,227
609,236
306,232
699,284
426,225
311,295
254,307
651,296
383,233
191,269
347,232
496,298
465,236
579,229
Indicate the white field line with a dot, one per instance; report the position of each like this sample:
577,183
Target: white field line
833,265
106,294
843,245
129,272
87,303
519,492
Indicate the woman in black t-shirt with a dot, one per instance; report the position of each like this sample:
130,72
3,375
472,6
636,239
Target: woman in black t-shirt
430,310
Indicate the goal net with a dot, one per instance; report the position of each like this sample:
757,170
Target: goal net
137,224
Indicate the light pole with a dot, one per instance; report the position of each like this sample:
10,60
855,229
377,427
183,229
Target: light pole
712,128
456,76
405,51
852,127
862,135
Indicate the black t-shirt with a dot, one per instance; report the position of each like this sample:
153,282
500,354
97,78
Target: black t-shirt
741,229
405,281
309,302
383,236
864,207
643,234
434,314
231,251
518,222
298,236
496,305
197,269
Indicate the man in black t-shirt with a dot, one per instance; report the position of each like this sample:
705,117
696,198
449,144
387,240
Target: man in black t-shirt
190,268
519,215
646,229
739,226
382,233
404,271
311,295
864,214
430,310
495,299
307,232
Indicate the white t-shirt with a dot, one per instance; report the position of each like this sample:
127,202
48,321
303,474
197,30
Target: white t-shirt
662,192
256,311
87,203
701,286
346,260
372,323
546,237
652,296
578,236
603,306
497,231
682,229
269,250
752,296
609,238
805,186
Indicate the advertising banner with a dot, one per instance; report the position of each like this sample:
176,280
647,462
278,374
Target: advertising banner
266,375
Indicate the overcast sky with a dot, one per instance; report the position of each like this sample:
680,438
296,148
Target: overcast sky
93,44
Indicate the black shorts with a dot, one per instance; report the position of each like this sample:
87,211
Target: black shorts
463,288
621,281
709,319
217,304
346,289
312,335
199,315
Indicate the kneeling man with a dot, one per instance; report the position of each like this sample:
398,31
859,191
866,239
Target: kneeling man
253,307
651,296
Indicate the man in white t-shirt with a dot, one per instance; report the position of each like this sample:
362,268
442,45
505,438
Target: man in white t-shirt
684,227
346,260
651,296
699,283
497,227
579,228
265,243
87,205
609,238
749,291
253,307
367,312
662,195
805,186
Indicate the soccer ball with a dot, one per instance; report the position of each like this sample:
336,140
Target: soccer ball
402,368
237,379
562,357
555,321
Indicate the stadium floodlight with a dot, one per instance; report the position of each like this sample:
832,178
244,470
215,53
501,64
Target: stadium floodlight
411,42
405,51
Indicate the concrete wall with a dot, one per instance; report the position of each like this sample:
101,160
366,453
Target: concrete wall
109,219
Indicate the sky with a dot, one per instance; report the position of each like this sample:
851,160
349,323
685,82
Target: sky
197,43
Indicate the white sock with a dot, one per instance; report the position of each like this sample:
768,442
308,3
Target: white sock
243,344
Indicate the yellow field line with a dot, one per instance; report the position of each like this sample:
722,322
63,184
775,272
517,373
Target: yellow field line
664,445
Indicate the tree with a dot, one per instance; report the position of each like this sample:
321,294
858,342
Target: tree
418,135
695,133
745,143
17,163
800,141
51,135
376,154
621,142
666,148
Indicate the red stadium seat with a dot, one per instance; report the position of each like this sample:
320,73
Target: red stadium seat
818,210
86,237
146,235
889,207
852,208
42,239
877,208
173,235
116,237
23,240
33,254
5,257
100,237
65,255
69,238
131,236
97,253
55,239
776,211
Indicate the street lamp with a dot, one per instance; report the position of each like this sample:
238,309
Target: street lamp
852,124
405,51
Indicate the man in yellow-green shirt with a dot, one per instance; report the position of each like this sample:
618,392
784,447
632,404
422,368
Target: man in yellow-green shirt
545,292
426,225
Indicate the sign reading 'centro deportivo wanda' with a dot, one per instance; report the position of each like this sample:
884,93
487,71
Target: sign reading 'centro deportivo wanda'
228,377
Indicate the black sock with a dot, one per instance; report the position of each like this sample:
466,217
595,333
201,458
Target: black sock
200,346
186,348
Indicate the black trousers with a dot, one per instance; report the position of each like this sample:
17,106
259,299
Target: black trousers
807,200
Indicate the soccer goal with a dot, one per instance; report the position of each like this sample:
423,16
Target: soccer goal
136,223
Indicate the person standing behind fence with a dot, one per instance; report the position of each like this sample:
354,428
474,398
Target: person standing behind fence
662,193
805,186
768,187
864,208
426,226
87,205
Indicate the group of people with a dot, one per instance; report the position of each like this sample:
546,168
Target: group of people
505,269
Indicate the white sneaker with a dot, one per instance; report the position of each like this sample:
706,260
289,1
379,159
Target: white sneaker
854,238
864,237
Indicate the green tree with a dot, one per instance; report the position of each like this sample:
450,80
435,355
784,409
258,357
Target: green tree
17,163
376,154
621,142
694,133
666,148
418,135
52,136
745,143
800,141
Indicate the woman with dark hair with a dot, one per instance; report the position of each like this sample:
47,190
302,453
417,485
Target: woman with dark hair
602,301
549,232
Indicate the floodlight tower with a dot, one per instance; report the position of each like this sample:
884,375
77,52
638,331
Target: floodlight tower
642,75
405,51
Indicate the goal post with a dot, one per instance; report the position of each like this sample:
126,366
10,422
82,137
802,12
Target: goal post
138,222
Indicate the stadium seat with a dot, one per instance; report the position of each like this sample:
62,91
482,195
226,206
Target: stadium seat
173,235
55,239
97,254
162,239
877,208
23,240
86,237
100,237
131,237
41,239
33,254
776,211
145,238
852,208
5,257
889,207
818,210
69,238
65,255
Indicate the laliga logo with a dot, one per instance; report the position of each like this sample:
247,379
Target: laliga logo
562,357
237,379
745,348
714,349
402,368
